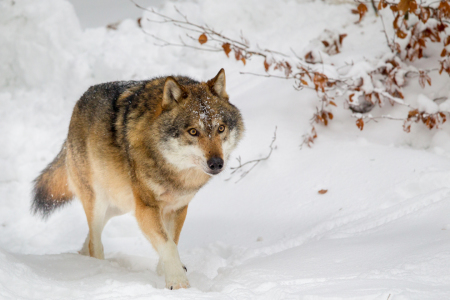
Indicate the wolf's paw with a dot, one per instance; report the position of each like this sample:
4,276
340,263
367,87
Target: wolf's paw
160,268
175,276
99,255
177,281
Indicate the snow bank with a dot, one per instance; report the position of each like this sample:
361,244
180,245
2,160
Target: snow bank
39,44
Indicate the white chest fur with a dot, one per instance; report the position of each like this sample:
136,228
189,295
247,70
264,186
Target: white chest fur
169,200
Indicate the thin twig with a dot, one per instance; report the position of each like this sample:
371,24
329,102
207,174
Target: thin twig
369,117
299,84
385,34
374,7
255,161
275,52
183,44
267,75
395,99
167,19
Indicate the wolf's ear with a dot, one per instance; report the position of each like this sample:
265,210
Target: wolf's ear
217,85
172,93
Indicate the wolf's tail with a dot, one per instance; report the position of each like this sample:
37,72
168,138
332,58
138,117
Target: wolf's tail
51,189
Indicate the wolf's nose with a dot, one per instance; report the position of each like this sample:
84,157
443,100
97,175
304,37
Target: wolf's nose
215,163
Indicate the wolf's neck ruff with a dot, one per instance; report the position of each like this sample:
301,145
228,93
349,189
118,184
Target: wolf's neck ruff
146,147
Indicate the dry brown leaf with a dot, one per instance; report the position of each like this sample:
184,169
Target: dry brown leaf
403,6
413,113
395,23
398,94
266,65
113,26
382,4
407,126
350,98
425,13
362,9
319,81
287,69
226,48
202,38
412,6
447,41
237,54
360,123
309,57
424,78
401,34
444,9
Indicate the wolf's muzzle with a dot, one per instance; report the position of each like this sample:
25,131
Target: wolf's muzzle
215,164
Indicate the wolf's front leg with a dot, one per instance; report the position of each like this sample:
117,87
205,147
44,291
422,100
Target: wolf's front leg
151,223
173,222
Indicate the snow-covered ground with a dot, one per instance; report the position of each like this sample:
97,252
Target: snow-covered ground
102,12
382,231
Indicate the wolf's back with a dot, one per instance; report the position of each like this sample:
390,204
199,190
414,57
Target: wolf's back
51,189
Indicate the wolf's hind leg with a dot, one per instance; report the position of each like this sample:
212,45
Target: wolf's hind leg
85,249
95,222
110,213
97,216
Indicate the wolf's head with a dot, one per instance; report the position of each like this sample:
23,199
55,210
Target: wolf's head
198,127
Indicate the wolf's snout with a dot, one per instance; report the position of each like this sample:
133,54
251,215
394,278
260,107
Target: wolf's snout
215,163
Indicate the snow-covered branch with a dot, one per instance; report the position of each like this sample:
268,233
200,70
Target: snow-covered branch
360,86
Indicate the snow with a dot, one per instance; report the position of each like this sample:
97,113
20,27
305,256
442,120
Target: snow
381,231
445,106
426,104
88,11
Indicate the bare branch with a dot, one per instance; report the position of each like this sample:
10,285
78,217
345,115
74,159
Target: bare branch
369,117
255,161
391,47
266,75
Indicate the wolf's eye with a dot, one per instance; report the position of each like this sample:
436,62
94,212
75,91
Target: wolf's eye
221,128
193,132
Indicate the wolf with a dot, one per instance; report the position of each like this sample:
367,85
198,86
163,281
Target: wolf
144,147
